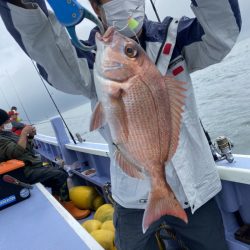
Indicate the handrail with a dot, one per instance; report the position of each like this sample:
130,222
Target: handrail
90,148
47,139
238,171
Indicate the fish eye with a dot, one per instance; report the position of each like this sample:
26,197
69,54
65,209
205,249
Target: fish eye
130,51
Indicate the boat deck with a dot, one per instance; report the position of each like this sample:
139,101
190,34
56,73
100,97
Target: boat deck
41,223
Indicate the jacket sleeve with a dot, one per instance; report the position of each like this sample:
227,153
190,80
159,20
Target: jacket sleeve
209,37
46,42
10,150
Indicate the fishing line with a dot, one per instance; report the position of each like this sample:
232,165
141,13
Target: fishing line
127,25
18,97
4,97
38,123
132,24
71,135
155,11
137,38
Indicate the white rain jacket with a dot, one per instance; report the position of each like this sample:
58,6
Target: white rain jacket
178,47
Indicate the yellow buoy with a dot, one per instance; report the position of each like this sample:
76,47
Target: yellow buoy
105,238
98,201
92,225
108,225
104,213
83,196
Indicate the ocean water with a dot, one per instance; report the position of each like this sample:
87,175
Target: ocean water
223,99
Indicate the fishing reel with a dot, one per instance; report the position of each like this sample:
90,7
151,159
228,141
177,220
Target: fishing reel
222,149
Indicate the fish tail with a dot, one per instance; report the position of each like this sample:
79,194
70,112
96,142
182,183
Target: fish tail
162,202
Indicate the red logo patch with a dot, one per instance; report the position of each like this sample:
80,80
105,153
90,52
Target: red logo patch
178,70
167,48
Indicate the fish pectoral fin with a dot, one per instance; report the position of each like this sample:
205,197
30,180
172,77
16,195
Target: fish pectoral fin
114,90
127,167
162,202
97,118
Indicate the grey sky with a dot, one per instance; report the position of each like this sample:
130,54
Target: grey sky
19,80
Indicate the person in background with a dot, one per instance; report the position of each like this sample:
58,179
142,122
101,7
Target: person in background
19,147
14,108
178,47
17,126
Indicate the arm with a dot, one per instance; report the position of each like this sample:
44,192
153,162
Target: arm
23,138
209,37
11,150
45,41
15,150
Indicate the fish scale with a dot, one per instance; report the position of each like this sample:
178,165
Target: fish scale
143,110
139,124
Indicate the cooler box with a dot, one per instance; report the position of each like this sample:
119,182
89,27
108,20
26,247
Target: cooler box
11,194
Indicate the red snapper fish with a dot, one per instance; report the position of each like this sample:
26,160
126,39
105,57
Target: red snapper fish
143,110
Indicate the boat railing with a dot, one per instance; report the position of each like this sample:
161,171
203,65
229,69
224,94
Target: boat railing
234,199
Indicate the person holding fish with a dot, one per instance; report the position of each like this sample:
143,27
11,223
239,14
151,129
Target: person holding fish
162,169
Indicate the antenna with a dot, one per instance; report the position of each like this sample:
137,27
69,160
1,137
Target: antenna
71,135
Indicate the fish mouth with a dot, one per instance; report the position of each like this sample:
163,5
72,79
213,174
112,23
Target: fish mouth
109,68
102,42
113,73
112,66
107,37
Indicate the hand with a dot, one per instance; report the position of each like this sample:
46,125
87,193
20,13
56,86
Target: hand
28,130
33,132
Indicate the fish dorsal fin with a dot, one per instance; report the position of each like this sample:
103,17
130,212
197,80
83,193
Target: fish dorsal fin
176,92
97,118
126,166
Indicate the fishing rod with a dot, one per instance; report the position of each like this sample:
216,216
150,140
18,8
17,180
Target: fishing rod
71,135
155,11
18,97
